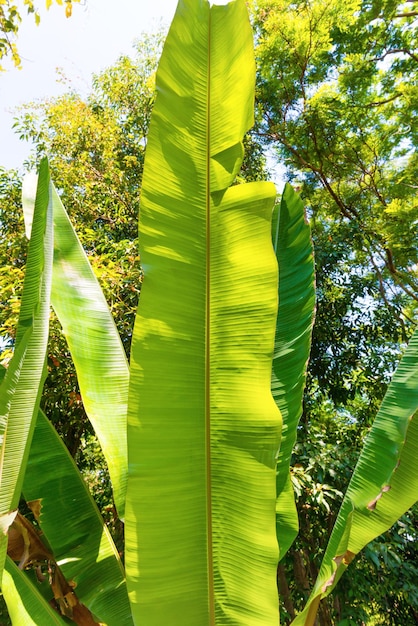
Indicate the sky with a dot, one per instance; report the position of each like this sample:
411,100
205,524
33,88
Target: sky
98,32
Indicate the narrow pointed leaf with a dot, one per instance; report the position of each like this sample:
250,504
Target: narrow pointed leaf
25,604
22,385
384,484
7,400
203,428
293,246
93,339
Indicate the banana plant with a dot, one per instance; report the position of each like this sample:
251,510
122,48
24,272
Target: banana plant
192,432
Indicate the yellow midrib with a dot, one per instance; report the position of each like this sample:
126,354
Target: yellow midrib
211,590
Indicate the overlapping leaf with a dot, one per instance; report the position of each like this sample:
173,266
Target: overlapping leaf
293,246
74,528
384,484
203,429
25,603
93,339
22,385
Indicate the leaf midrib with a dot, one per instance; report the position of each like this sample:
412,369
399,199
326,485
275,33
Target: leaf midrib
211,595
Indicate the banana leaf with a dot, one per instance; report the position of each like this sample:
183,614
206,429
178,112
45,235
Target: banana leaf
93,340
384,484
203,428
293,246
74,528
23,382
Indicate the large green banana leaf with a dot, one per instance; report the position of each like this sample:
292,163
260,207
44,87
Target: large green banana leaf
203,428
293,246
22,384
94,342
384,484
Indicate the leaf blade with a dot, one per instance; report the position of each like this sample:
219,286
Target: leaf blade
74,527
22,385
384,483
293,245
93,339
178,366
24,602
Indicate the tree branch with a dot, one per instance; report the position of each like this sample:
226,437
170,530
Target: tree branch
396,51
378,104
407,14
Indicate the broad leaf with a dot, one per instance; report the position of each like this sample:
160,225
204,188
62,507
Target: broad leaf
203,428
93,339
22,385
293,246
384,484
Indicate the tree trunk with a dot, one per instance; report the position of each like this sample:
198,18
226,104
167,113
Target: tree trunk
284,592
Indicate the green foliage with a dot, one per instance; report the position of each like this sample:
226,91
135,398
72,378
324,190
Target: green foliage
262,203
104,138
346,379
375,567
293,247
97,351
21,386
10,20
100,184
338,109
322,464
96,148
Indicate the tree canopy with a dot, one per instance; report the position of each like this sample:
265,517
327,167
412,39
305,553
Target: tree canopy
11,18
336,104
337,99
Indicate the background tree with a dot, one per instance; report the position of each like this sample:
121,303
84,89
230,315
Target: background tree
10,20
336,104
103,140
